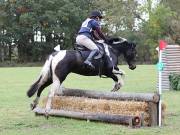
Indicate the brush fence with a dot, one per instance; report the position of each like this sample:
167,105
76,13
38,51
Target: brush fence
134,109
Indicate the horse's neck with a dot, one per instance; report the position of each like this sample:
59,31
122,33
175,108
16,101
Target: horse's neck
115,51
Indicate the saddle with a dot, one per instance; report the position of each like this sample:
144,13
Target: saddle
85,52
82,49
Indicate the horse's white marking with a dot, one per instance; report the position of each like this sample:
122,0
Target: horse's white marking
118,42
61,54
107,50
100,41
105,47
119,84
56,82
120,71
45,70
36,101
55,61
57,48
123,39
120,80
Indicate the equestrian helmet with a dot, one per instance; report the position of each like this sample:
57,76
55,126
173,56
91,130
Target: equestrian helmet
96,13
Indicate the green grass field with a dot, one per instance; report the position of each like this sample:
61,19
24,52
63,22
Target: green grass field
16,118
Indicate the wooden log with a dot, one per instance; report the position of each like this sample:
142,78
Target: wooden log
153,111
147,97
118,119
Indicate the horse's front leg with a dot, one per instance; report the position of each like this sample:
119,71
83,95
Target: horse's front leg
119,82
117,71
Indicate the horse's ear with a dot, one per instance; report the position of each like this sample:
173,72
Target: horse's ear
110,41
116,39
134,45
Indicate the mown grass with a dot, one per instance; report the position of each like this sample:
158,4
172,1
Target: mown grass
16,118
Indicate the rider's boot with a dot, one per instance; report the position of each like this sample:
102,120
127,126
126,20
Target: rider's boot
90,57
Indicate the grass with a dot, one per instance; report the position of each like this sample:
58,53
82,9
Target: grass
16,118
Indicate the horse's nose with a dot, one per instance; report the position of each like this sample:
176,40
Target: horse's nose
132,67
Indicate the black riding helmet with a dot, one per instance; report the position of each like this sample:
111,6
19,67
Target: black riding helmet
96,13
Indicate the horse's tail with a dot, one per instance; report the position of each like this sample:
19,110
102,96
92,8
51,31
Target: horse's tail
45,75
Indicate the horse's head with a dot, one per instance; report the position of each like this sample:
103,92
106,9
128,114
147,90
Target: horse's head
130,55
128,49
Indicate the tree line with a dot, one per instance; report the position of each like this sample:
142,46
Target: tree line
30,29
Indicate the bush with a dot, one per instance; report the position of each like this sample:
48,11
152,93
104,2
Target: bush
174,79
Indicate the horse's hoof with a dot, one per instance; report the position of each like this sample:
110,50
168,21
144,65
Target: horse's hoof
46,115
32,106
116,88
36,114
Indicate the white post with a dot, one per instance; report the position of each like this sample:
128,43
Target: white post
160,87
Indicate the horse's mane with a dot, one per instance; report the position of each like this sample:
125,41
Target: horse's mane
119,45
116,40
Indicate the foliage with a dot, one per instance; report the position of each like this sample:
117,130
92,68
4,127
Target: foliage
57,24
174,80
154,29
144,23
174,23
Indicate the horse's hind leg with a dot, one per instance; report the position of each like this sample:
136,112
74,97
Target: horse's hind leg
58,78
36,100
55,86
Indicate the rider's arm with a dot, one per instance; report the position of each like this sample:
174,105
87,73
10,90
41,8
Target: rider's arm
95,36
101,35
97,28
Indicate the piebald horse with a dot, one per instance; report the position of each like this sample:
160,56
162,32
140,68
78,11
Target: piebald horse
60,64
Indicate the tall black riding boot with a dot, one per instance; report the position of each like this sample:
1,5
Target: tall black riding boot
88,61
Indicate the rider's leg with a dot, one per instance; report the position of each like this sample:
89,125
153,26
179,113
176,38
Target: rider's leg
92,54
87,42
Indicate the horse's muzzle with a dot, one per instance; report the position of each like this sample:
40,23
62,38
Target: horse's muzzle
132,67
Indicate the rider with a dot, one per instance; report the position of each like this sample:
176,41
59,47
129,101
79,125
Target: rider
90,29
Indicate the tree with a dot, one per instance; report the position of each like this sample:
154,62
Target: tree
144,23
141,22
120,15
155,28
174,23
52,18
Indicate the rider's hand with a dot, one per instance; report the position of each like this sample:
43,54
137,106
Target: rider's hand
108,41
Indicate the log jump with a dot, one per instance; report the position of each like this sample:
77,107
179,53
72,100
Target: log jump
133,109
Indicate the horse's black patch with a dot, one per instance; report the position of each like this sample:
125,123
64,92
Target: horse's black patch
74,62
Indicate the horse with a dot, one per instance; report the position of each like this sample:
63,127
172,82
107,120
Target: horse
59,64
